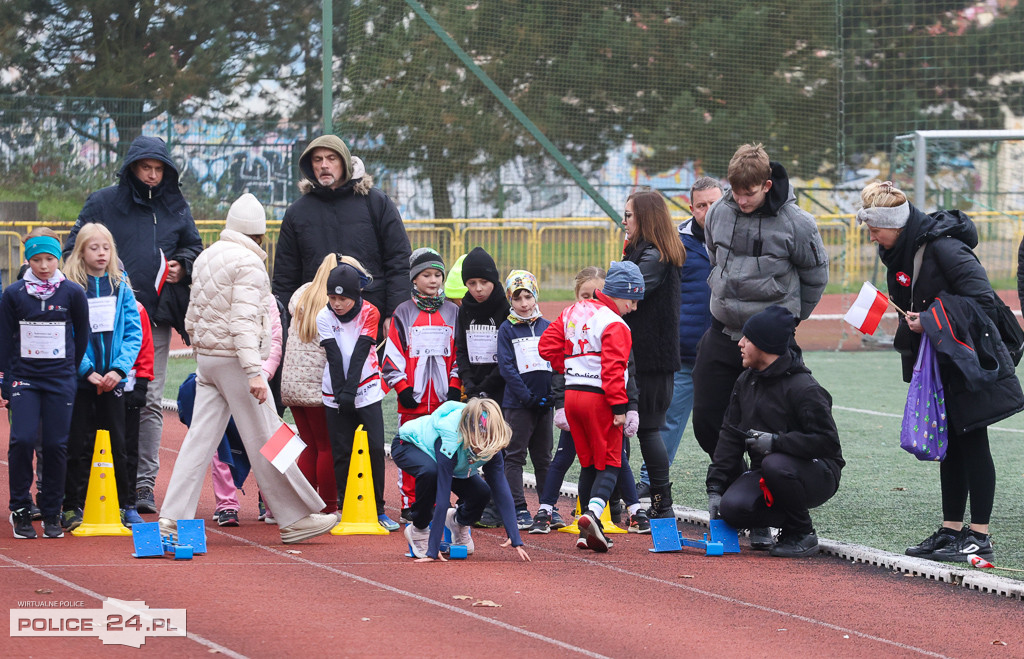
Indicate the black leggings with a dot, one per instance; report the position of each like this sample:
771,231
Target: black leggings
968,470
655,397
342,430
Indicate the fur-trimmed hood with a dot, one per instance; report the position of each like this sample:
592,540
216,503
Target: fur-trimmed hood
361,182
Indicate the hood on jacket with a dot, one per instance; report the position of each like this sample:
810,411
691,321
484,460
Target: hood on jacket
150,147
356,179
778,196
924,228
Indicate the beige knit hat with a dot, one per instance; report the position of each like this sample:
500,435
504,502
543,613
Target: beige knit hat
247,216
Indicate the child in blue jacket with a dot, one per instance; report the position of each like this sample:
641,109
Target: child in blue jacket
527,401
445,451
44,330
113,348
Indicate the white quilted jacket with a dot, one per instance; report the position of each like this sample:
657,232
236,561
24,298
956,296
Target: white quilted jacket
303,370
227,308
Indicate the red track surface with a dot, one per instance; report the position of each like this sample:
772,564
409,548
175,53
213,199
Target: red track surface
358,596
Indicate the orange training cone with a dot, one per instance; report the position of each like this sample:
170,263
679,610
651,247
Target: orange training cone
102,515
606,521
359,510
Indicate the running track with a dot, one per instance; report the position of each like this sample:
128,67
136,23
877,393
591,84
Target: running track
358,596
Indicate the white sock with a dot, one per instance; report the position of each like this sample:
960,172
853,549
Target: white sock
596,506
635,507
547,507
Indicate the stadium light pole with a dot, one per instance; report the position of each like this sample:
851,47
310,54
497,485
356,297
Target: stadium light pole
328,57
548,145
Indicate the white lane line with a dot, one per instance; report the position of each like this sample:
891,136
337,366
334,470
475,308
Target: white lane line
890,415
415,596
97,596
752,605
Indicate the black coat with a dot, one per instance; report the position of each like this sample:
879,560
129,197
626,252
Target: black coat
655,323
480,379
785,399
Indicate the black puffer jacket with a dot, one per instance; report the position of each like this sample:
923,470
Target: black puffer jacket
145,221
655,323
475,316
784,399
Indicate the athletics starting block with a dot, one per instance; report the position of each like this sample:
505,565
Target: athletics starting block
454,552
149,543
723,539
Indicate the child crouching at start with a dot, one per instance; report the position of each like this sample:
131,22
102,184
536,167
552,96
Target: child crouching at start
445,452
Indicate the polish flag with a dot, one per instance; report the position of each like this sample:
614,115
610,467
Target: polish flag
161,273
867,309
283,447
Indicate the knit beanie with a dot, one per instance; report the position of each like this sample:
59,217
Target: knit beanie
344,280
521,280
771,329
423,259
454,287
624,281
480,265
247,216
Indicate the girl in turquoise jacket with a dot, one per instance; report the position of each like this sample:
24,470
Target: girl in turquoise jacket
113,348
446,451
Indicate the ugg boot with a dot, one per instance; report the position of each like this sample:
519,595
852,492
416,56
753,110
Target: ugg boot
661,502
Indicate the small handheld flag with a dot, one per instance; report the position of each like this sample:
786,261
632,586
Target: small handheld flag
161,273
283,447
866,312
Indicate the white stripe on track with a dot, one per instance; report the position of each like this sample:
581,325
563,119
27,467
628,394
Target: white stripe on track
900,416
415,596
205,642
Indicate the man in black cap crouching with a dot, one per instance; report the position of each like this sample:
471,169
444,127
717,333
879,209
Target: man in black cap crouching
781,417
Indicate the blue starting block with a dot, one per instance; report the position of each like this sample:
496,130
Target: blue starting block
723,539
149,543
454,552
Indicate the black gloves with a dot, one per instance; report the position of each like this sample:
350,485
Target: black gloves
541,402
714,504
760,442
407,399
454,393
346,402
137,396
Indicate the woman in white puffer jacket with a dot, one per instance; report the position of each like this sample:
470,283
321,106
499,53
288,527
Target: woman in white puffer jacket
229,326
302,383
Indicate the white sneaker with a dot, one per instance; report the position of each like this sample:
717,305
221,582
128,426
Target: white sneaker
419,540
308,527
460,534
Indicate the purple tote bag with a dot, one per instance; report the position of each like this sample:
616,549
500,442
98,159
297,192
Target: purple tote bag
925,431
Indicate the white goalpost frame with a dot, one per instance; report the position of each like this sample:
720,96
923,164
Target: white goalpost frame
920,139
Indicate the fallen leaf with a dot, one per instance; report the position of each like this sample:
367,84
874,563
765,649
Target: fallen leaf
846,636
998,642
685,576
899,489
213,651
783,629
908,576
461,597
43,591
366,620
292,551
487,603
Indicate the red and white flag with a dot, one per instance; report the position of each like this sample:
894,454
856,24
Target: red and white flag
161,273
867,309
283,447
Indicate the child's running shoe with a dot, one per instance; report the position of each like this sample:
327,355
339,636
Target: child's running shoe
406,516
461,535
963,546
388,523
21,520
131,516
491,519
556,520
71,519
52,527
591,530
228,517
639,523
36,513
419,540
541,523
262,508
524,519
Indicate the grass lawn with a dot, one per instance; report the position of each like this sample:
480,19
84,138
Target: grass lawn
887,498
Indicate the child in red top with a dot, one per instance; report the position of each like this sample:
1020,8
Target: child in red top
419,359
590,344
134,400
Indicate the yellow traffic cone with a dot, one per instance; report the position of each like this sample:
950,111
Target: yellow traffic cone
102,515
606,521
359,510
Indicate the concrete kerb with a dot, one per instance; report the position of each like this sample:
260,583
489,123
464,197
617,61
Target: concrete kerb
984,582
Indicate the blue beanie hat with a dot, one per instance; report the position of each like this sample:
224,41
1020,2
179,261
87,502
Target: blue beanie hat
771,329
624,281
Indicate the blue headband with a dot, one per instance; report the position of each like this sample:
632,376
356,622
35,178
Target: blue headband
41,245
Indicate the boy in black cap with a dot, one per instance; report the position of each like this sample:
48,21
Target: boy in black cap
781,417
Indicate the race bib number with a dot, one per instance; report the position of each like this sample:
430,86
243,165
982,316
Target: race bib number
43,340
482,344
431,341
101,313
528,356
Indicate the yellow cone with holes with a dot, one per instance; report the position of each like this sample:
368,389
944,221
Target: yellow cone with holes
359,510
102,515
606,521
